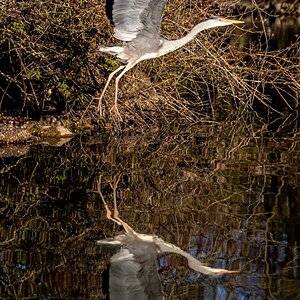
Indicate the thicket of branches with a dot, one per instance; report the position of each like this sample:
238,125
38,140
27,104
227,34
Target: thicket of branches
49,65
222,182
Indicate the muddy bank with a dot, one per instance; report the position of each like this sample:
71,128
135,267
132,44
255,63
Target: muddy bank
17,134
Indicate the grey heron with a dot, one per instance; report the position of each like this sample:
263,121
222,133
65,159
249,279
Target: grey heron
137,24
133,273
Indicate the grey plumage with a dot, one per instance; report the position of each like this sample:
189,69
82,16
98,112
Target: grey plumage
133,273
137,19
133,270
134,266
137,24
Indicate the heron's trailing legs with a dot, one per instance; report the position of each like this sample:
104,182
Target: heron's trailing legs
126,68
110,77
116,217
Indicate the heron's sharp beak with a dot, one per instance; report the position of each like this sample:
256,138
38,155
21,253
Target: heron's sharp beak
230,21
238,22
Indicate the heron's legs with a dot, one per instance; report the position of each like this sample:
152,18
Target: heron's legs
127,68
111,75
108,211
116,218
116,211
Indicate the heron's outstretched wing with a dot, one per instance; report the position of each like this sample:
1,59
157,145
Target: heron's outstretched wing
131,17
192,262
123,277
133,268
133,277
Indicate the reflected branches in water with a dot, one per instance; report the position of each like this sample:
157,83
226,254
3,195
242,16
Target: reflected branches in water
231,202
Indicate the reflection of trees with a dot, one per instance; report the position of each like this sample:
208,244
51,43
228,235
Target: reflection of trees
231,201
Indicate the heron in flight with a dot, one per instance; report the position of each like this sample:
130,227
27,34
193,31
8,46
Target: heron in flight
133,273
137,24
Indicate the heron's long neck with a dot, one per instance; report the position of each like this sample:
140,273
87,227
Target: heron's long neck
169,46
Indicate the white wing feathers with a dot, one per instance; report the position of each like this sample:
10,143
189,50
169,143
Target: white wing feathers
130,17
192,262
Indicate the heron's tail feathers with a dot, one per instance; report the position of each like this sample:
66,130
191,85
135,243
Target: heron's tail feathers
113,50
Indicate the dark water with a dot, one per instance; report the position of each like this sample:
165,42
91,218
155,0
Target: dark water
231,206
271,33
228,197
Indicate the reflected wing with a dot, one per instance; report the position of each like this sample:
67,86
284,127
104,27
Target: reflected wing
129,279
133,17
192,262
123,277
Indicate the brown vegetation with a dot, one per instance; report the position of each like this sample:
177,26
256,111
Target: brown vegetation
49,65
214,168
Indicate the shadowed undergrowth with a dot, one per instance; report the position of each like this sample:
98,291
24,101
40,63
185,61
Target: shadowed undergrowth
49,65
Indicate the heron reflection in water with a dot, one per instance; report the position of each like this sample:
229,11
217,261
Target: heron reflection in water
137,24
133,272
